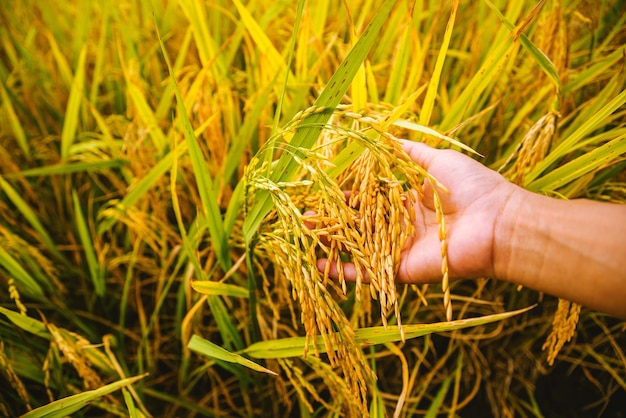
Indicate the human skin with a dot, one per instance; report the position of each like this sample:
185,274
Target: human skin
573,249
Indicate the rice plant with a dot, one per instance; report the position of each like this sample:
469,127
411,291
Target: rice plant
171,173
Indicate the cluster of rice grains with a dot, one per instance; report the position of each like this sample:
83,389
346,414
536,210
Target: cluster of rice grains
362,214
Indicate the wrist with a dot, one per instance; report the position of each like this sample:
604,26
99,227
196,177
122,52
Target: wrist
510,226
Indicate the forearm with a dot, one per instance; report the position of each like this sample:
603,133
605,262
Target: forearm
572,249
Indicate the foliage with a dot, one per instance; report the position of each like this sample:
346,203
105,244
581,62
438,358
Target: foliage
157,161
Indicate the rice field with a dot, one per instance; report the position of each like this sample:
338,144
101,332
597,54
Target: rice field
170,173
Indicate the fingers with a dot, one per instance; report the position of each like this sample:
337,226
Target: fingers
349,270
419,152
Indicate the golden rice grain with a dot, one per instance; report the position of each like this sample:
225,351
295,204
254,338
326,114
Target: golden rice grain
563,328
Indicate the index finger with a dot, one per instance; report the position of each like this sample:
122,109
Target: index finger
419,152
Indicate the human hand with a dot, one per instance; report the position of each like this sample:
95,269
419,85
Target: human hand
472,209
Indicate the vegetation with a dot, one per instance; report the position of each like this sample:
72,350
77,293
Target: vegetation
158,162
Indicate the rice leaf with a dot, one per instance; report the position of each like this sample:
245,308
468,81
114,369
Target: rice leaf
214,351
544,62
591,74
133,412
612,88
97,276
69,405
328,99
70,122
14,121
67,168
433,84
429,131
28,324
435,406
273,58
223,318
144,111
209,287
206,187
63,66
141,187
396,75
569,143
30,216
207,47
582,165
24,281
491,68
294,346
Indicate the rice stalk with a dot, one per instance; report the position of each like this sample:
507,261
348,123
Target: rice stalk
370,226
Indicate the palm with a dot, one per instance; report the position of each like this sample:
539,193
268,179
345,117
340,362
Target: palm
470,211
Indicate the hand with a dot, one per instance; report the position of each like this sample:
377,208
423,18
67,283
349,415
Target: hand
476,199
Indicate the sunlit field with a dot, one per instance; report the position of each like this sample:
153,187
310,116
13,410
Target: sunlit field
170,172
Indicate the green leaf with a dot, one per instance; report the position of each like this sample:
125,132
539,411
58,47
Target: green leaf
544,62
95,272
14,121
433,85
67,168
435,406
30,216
70,122
67,406
28,324
24,281
294,346
569,143
214,351
142,186
582,165
208,287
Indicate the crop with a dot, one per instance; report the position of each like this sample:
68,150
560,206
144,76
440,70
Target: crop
170,173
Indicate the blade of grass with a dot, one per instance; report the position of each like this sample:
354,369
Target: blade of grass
328,99
70,123
96,273
294,346
214,351
71,404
